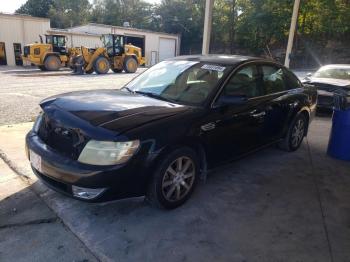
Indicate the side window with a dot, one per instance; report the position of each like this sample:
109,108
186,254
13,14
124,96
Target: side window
244,82
291,80
273,79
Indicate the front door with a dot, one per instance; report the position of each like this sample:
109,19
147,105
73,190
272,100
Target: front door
233,130
17,48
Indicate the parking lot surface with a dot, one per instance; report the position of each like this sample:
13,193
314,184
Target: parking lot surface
21,89
269,206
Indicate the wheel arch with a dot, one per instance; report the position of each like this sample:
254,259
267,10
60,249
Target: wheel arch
301,111
192,143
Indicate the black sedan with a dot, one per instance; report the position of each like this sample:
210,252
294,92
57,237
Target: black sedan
328,80
162,132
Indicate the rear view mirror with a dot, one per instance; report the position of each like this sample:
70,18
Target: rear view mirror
232,100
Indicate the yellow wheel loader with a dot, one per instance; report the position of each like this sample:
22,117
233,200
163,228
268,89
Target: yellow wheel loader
115,55
49,56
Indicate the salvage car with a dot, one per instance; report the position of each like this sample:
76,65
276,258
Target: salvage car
328,80
159,134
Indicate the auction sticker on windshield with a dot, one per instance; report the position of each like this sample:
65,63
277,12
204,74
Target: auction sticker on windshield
214,67
35,160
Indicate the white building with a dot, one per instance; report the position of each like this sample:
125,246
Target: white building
19,30
156,46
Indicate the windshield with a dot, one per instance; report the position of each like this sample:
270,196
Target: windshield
107,40
337,73
187,82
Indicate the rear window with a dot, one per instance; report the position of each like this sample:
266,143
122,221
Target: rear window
291,80
273,80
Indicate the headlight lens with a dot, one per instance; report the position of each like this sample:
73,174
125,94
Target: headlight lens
104,153
37,123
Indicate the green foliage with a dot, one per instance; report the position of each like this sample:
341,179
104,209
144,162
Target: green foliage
39,8
66,13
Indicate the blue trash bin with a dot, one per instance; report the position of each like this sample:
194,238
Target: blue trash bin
339,140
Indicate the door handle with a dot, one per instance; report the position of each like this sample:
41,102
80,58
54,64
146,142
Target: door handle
257,115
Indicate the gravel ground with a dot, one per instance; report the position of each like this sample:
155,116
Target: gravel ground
21,89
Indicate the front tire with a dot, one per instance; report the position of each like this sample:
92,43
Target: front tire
52,63
130,65
101,65
174,179
296,133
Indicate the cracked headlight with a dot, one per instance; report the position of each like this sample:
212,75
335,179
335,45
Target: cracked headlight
104,153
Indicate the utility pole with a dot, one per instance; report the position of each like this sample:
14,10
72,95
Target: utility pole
207,26
293,25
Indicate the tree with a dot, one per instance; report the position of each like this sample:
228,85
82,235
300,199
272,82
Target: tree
38,8
66,13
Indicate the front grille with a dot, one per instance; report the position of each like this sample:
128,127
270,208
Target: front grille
59,186
26,51
67,141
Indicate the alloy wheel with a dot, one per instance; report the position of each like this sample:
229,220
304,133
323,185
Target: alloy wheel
178,179
298,133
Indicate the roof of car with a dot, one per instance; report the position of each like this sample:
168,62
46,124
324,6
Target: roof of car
220,59
341,66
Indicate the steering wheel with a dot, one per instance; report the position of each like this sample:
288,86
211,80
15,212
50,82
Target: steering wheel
200,90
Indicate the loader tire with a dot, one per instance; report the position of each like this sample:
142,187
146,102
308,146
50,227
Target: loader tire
52,63
130,65
101,65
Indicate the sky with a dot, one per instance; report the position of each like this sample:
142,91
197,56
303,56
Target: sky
9,6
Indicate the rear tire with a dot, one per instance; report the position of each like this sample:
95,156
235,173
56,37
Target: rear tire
101,65
295,135
174,179
130,65
52,63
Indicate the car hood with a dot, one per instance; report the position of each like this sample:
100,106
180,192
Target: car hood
329,81
114,110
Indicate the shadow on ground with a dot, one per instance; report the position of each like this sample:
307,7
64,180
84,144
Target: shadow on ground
262,208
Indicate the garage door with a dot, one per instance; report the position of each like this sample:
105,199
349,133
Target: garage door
167,48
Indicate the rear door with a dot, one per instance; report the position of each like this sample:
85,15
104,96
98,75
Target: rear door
278,102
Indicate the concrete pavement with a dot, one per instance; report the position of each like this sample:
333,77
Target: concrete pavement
29,229
269,206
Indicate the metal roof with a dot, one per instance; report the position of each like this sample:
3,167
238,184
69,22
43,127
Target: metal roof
24,16
123,28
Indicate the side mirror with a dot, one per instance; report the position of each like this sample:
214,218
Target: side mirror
232,100
309,74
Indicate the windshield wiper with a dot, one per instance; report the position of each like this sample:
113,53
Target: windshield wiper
128,89
153,95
